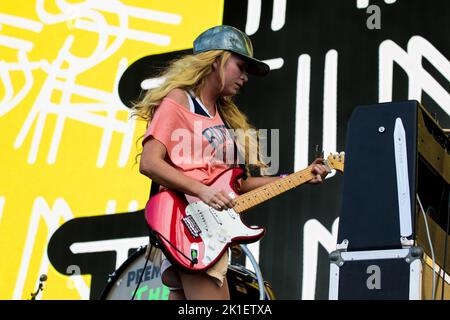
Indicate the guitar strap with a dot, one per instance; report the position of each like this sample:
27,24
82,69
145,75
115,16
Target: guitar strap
154,189
237,154
152,238
199,109
154,241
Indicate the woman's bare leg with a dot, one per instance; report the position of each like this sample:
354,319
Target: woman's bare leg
171,279
197,286
201,286
177,295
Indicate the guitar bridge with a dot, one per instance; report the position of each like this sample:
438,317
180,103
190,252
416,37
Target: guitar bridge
192,227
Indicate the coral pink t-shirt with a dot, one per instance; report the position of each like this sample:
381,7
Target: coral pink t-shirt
201,147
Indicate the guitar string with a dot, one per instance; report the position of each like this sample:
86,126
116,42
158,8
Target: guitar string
275,186
288,178
263,189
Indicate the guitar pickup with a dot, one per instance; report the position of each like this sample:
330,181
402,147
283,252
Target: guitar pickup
192,227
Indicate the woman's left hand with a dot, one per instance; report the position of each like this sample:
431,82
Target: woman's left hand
319,171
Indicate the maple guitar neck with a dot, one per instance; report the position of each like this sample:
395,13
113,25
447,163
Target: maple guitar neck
268,191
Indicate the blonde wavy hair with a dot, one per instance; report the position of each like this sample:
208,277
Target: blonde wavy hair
190,73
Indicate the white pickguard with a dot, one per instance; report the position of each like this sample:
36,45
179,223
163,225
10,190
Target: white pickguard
218,228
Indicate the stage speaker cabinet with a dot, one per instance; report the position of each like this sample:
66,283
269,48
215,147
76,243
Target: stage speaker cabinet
396,154
379,182
393,274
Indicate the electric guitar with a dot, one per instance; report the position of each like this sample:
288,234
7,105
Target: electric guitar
194,236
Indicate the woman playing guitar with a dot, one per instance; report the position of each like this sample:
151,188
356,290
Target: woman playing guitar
187,140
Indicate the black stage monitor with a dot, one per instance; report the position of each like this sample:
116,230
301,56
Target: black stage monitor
378,205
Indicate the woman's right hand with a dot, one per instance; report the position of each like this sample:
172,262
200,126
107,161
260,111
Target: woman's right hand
218,200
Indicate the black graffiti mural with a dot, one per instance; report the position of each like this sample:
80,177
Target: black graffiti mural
148,67
98,262
318,32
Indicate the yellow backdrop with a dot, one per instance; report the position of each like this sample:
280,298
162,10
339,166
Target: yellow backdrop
67,144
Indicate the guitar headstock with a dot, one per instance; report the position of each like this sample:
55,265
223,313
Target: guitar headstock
336,161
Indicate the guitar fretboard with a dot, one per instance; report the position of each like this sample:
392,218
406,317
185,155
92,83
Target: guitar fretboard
270,190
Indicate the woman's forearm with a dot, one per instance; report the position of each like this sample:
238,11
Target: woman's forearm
166,175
